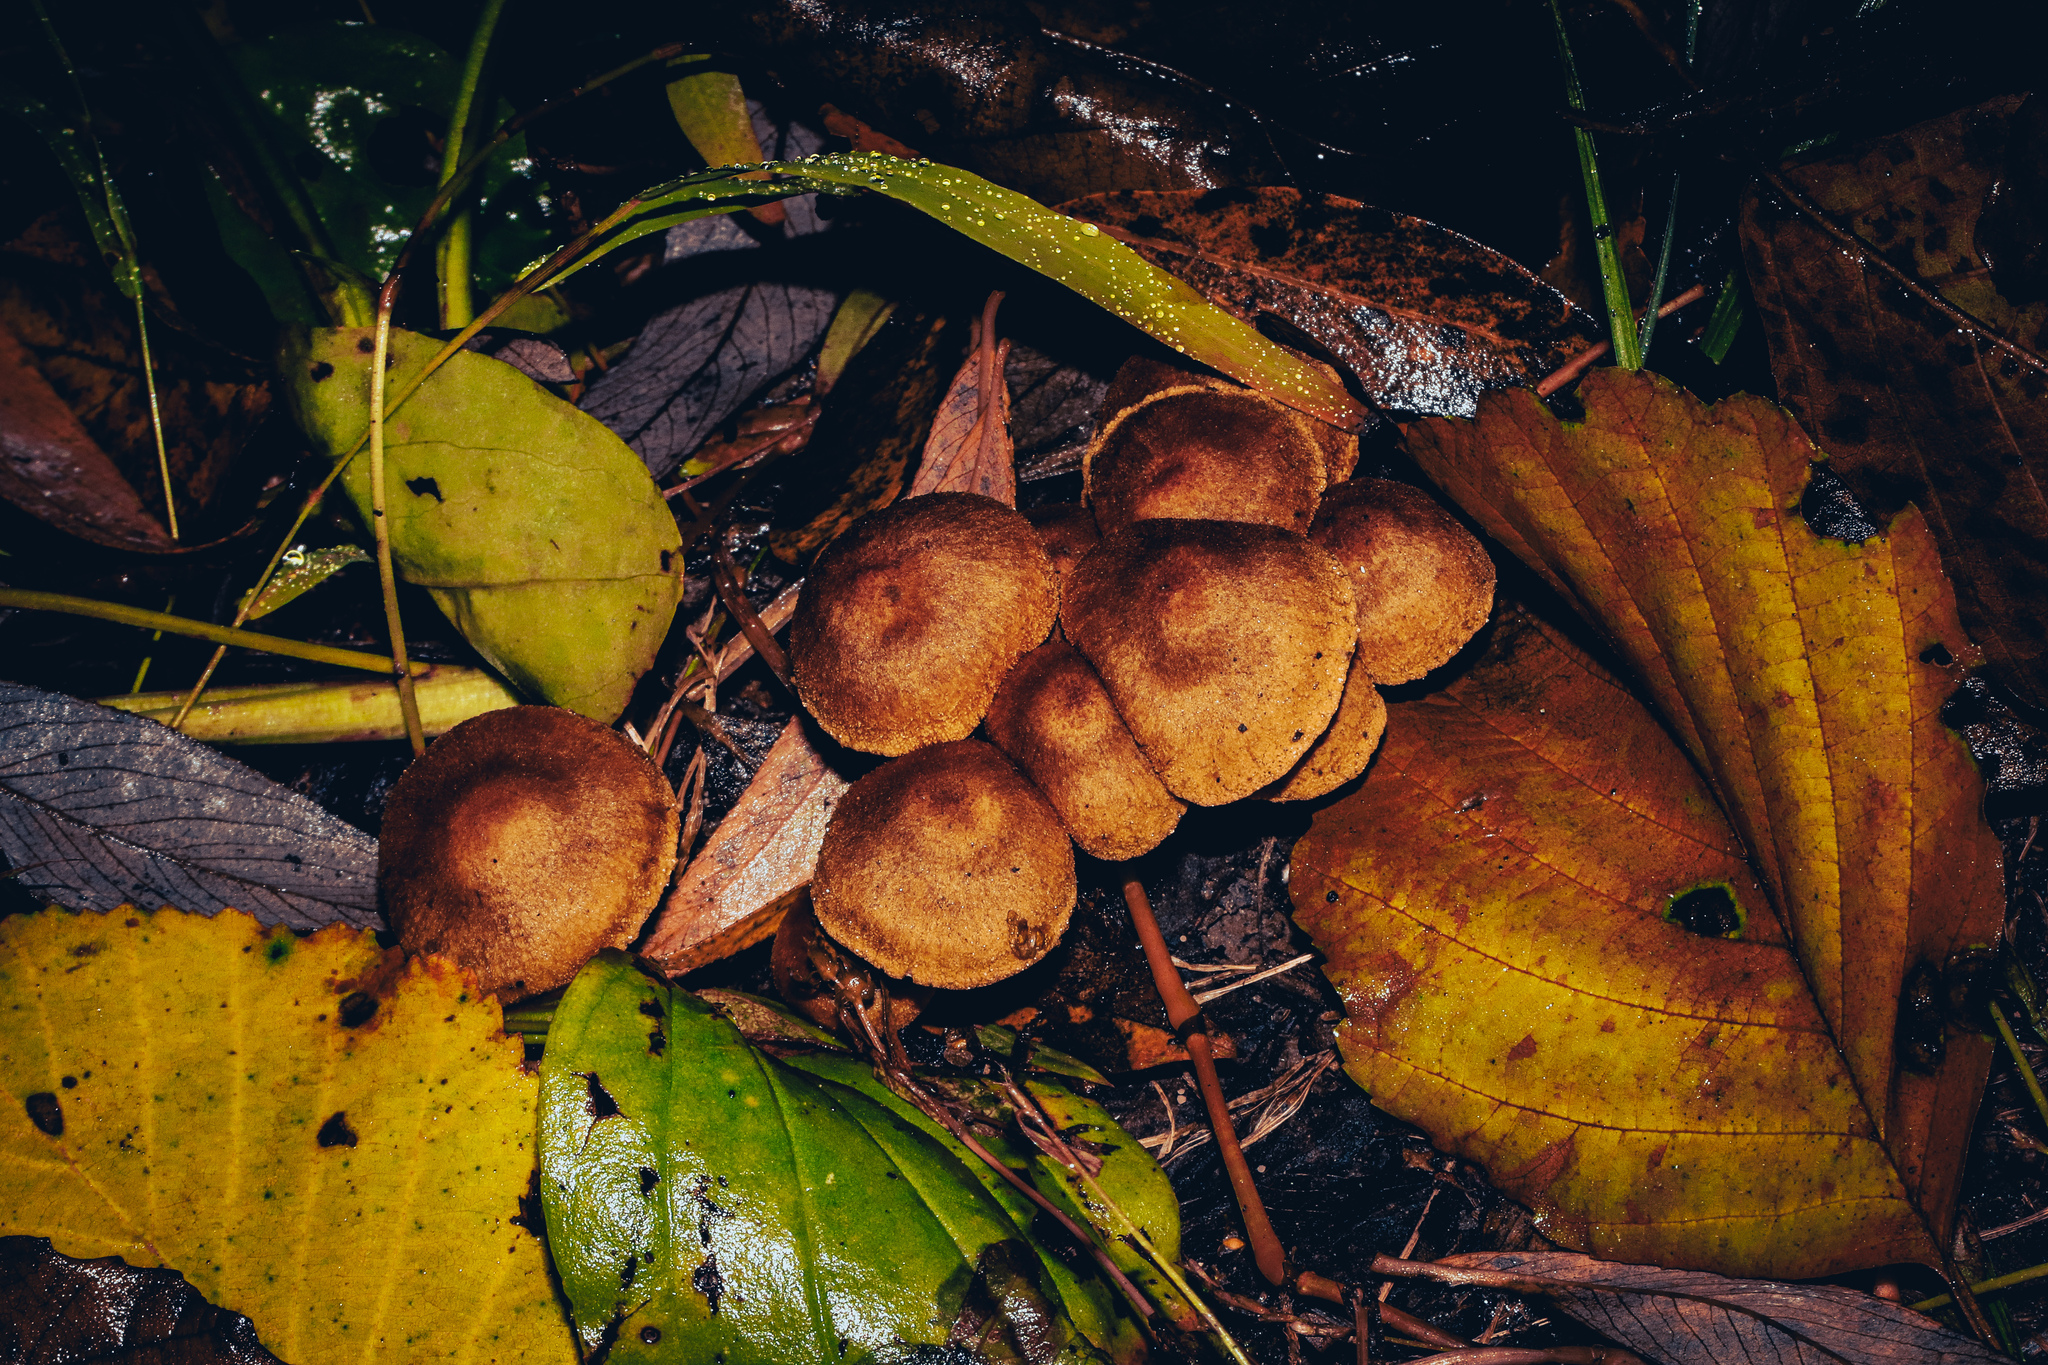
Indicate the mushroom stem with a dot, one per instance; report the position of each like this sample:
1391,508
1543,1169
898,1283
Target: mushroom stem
1186,1017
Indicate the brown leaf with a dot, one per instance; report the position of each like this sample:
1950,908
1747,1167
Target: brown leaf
758,860
1806,677
57,1309
1425,318
51,468
969,448
1909,405
1686,1317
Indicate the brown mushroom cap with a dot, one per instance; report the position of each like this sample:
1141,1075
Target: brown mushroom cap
1067,530
524,841
946,868
1203,452
1142,376
1055,720
911,618
1223,644
1344,749
1423,584
801,946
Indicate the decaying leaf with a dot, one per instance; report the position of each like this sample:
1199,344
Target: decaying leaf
536,530
1805,676
315,1135
1054,410
704,1198
760,858
1910,406
1686,1317
55,1308
969,448
1425,318
51,467
98,809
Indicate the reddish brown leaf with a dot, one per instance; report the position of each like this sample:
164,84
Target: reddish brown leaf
969,450
1910,404
1425,318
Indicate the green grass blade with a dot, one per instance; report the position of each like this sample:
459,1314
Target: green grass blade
1621,314
1725,322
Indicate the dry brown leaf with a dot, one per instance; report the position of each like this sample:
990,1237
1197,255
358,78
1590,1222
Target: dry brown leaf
969,450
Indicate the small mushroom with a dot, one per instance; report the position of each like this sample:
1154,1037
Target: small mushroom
1344,749
909,620
1223,644
1054,719
1142,376
947,868
1200,451
1067,531
1423,583
813,975
524,841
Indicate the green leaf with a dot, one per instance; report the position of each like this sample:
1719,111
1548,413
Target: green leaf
534,527
269,266
1078,255
300,571
79,157
706,1201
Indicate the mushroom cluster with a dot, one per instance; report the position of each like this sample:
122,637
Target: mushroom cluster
1213,623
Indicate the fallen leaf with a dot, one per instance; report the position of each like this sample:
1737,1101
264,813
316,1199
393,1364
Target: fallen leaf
758,860
1425,318
1909,405
51,468
98,809
534,528
969,448
54,1308
316,1136
1686,1317
1054,411
323,713
300,570
698,362
704,1198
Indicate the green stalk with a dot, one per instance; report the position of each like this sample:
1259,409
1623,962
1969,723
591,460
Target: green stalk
452,261
2019,1059
1724,323
198,630
1621,313
1991,1286
380,524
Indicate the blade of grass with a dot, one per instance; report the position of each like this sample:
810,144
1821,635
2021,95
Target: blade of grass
452,263
1724,323
380,524
1621,314
198,630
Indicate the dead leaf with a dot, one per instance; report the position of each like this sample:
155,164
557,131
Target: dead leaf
54,1308
1425,318
758,861
1686,1317
51,468
1909,405
1054,412
969,448
1496,904
98,808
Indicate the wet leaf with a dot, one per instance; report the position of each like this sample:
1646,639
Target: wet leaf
1806,677
536,530
51,467
1689,1318
55,1308
98,809
314,1134
300,570
1054,411
748,319
758,860
1910,406
969,449
1427,319
704,1198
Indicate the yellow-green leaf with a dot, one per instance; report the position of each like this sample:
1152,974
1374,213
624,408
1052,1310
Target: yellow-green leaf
317,1137
535,528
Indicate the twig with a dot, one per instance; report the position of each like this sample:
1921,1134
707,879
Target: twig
1533,1355
2007,1229
1583,361
1397,1319
224,636
1186,1017
1204,997
380,525
725,577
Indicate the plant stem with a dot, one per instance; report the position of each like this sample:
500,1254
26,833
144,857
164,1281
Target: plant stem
142,669
1186,1018
198,630
380,524
1650,314
1990,1286
1621,314
452,262
2026,1068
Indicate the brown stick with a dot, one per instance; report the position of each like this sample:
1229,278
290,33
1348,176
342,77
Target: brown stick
1583,361
1186,1017
1533,1355
1406,1323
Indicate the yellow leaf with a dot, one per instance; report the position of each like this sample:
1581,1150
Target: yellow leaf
315,1135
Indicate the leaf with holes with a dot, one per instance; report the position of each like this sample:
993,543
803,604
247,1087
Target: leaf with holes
534,528
317,1135
98,809
1515,851
706,1200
